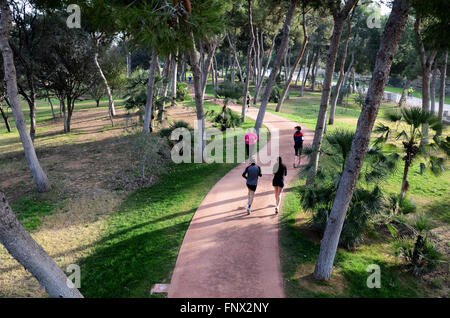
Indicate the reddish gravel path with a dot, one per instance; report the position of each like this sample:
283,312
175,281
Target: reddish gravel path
227,253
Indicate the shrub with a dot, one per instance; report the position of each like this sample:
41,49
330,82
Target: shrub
421,257
407,206
225,119
166,132
275,95
182,91
363,206
147,152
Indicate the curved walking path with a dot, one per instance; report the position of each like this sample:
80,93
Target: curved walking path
227,253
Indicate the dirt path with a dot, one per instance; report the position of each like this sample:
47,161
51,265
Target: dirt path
227,253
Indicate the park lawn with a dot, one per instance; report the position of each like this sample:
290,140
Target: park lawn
141,242
417,94
48,131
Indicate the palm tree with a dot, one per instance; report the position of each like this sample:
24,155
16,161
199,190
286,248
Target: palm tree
409,121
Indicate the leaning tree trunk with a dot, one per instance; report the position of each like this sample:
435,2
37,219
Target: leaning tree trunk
19,243
337,87
111,109
39,176
426,63
433,89
151,84
297,61
51,104
340,97
339,19
276,65
5,118
249,60
402,101
442,86
388,45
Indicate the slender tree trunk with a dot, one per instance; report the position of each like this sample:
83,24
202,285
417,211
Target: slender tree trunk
314,71
340,97
388,46
305,75
302,68
19,243
69,114
426,64
151,85
402,101
433,88
263,74
128,60
5,119
216,82
442,86
195,67
39,176
112,110
50,103
276,65
339,19
207,64
249,60
297,61
337,87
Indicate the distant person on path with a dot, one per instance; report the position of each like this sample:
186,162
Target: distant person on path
190,79
250,141
298,146
279,172
248,100
251,173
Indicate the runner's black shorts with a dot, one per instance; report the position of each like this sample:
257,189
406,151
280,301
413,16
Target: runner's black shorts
251,187
277,183
298,149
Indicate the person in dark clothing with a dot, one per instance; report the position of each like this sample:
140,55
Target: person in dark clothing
279,172
298,146
251,173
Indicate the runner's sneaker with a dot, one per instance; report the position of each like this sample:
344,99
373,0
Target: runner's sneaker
248,209
276,210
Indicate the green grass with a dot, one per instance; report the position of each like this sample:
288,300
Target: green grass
31,210
141,241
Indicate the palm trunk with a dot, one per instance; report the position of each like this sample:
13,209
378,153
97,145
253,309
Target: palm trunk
151,84
112,110
339,19
404,180
297,62
276,65
249,60
388,46
402,101
39,176
19,243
